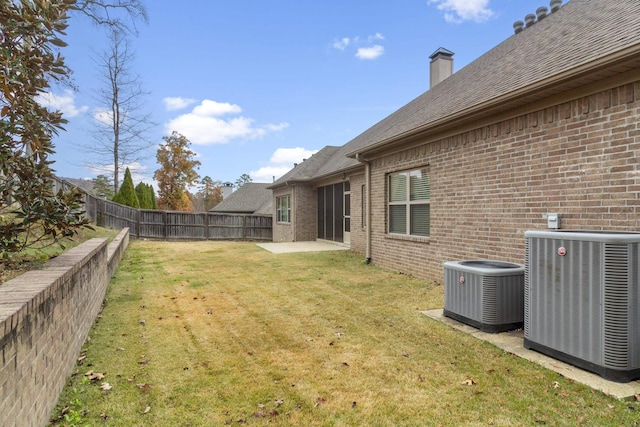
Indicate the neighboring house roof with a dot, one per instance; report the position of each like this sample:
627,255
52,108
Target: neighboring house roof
567,49
252,197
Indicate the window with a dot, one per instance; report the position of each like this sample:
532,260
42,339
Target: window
283,209
409,196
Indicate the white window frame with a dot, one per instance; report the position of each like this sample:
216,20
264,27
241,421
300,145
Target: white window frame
283,210
397,196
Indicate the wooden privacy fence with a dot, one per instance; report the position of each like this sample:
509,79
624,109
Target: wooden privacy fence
167,225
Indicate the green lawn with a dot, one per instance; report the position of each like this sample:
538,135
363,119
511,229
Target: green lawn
208,334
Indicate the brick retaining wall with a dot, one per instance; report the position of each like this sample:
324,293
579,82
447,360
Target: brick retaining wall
45,317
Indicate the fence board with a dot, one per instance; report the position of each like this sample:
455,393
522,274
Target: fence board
167,225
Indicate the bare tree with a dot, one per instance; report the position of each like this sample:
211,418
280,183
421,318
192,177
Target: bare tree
121,125
118,15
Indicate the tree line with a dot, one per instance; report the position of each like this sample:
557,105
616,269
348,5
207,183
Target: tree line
176,175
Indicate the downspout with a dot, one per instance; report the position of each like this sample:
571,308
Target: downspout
367,207
293,215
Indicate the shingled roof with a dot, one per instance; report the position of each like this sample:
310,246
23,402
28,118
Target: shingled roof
311,167
251,198
567,49
563,51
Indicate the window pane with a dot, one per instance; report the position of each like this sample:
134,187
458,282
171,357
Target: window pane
420,187
398,219
420,220
398,187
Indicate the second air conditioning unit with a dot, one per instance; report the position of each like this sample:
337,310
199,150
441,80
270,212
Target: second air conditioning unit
582,299
485,294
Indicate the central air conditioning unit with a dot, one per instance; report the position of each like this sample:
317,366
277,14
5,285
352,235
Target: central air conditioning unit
485,294
582,300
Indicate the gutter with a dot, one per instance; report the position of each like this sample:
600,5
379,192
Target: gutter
454,119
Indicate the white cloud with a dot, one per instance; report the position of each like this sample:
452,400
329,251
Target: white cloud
457,11
177,103
269,173
103,115
289,156
138,171
281,162
64,103
342,43
365,49
204,126
369,53
213,108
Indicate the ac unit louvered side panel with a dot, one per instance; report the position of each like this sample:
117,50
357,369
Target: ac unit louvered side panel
616,306
490,303
527,288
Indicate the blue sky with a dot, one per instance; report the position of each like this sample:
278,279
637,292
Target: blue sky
258,85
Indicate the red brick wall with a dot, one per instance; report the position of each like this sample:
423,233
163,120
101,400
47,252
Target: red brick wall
303,226
306,213
45,318
491,184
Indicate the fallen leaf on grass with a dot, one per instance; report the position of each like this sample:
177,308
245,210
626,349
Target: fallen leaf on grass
406,354
94,376
147,409
468,382
144,386
104,416
106,386
279,402
556,384
258,415
319,401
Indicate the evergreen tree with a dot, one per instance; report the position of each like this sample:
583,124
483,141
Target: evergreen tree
144,196
102,185
152,192
127,193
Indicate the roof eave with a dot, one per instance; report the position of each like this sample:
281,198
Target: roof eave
486,107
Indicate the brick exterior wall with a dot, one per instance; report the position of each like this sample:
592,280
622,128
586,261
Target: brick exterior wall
304,214
358,230
45,317
491,184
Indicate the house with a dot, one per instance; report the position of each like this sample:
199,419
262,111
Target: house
547,122
250,198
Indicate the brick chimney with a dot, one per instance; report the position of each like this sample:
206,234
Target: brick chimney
441,65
